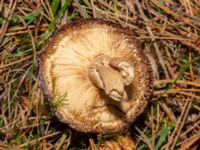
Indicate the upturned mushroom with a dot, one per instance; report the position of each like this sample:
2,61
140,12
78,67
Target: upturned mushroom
95,73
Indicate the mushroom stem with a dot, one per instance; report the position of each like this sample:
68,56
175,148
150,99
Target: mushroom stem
112,75
125,68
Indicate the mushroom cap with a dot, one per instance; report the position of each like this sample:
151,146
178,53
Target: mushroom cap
64,66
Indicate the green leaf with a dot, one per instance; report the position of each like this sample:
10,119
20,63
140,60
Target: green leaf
29,17
2,19
52,24
72,16
1,121
54,6
163,133
115,6
61,11
32,17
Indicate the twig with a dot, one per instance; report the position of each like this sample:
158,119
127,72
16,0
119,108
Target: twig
154,44
4,27
144,138
173,139
168,111
63,140
93,9
190,129
32,39
180,92
19,61
166,81
189,142
39,139
92,144
176,90
169,11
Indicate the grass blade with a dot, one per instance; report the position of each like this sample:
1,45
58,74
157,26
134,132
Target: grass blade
54,6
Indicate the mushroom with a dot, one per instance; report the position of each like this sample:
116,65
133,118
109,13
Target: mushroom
121,143
96,76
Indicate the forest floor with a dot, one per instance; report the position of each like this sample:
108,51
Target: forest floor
169,33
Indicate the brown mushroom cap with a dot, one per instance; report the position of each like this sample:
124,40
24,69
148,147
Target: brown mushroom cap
79,99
